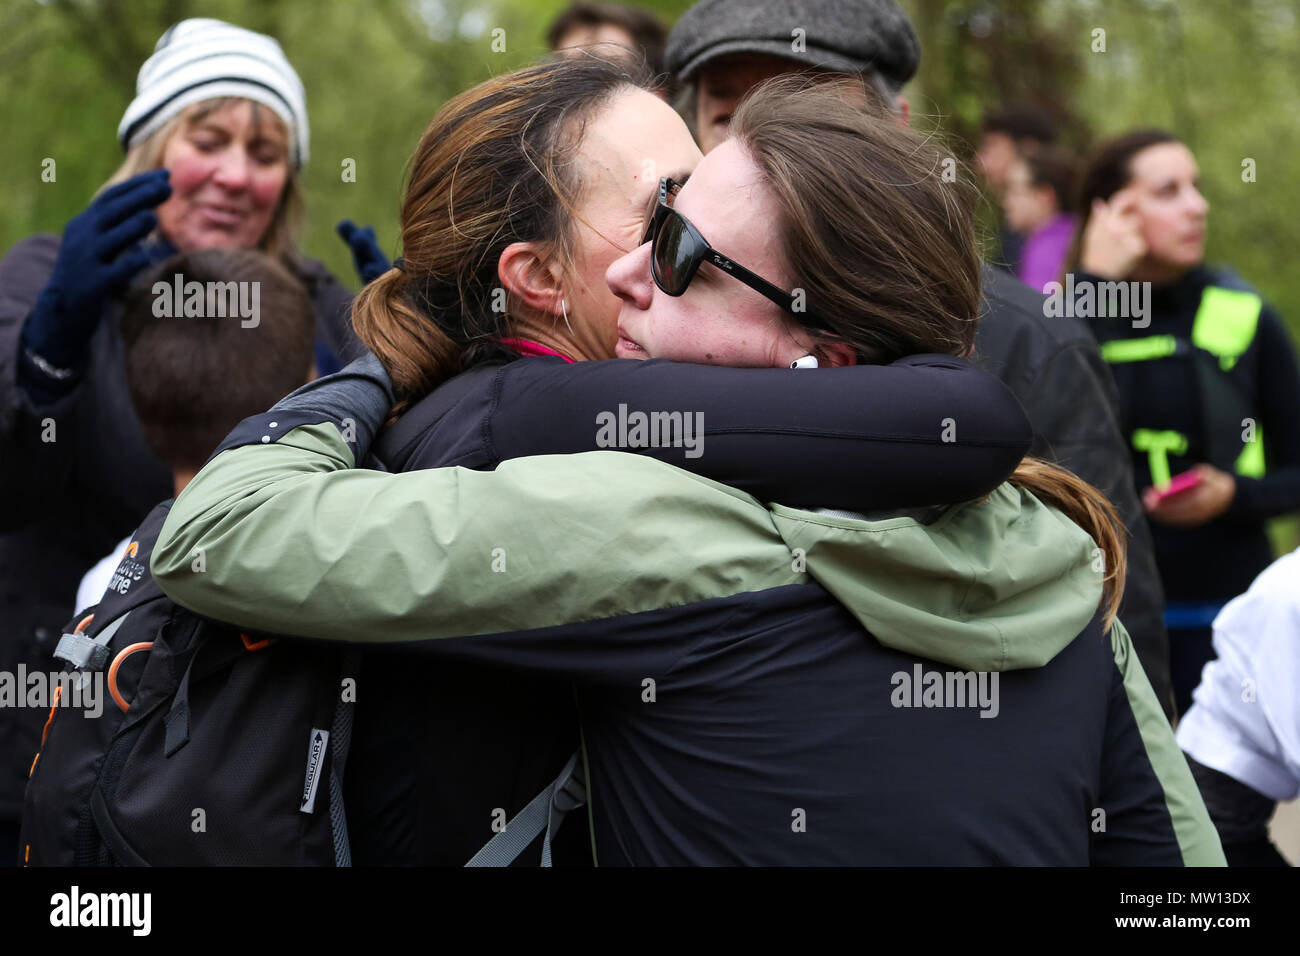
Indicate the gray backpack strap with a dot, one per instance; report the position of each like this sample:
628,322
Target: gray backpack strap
88,653
340,741
544,814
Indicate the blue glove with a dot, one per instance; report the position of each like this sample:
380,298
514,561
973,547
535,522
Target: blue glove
369,259
99,254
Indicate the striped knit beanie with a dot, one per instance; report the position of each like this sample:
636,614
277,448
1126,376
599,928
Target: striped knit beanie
202,59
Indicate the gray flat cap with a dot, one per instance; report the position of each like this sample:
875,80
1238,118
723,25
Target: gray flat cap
846,36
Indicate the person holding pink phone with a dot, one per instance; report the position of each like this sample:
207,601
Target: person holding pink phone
1207,377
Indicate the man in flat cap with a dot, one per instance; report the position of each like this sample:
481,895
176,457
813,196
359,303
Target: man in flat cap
721,49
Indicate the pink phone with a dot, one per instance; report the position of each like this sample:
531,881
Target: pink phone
1178,485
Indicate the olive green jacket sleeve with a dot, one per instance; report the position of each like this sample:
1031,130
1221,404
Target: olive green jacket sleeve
289,537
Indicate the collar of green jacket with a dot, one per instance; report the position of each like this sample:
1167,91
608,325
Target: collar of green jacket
1002,583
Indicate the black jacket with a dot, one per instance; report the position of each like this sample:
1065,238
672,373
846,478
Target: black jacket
736,707
1220,559
65,502
448,741
1054,367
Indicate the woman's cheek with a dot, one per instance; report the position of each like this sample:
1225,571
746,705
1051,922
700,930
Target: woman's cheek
1153,225
267,188
188,170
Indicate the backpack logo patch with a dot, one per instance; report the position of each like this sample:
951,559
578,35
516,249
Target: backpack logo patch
129,570
317,741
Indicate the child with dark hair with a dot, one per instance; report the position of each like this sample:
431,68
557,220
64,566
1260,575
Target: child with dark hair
211,337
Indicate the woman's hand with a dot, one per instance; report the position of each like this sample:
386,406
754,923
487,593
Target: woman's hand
1112,242
99,254
1191,509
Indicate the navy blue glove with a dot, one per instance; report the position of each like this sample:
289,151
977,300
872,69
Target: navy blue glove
99,254
369,259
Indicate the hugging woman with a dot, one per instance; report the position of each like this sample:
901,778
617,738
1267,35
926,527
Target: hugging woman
736,670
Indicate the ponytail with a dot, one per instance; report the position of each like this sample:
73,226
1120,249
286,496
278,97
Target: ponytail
417,354
1090,510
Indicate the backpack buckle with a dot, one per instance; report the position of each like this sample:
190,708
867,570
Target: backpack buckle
87,653
572,794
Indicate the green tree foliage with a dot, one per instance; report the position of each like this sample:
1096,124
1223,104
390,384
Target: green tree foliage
374,72
1224,74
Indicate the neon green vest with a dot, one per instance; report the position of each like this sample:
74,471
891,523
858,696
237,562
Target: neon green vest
1225,325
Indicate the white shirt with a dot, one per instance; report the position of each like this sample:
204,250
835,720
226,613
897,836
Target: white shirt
1245,719
95,581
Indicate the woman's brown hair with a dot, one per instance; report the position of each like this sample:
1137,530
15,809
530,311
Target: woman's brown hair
877,230
497,165
1056,169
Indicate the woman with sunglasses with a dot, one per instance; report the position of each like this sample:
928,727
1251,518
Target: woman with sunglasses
522,192
755,685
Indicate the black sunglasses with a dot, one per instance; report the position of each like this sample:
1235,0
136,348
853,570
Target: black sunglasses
677,249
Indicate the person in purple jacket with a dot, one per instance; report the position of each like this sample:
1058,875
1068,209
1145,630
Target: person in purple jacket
1039,205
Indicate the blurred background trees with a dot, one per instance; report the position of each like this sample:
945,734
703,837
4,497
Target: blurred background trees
1224,74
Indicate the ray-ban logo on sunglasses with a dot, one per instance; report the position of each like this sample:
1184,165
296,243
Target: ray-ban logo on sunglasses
638,429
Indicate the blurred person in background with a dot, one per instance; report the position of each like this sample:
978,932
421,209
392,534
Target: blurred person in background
720,49
1208,383
1038,203
215,141
1007,137
601,26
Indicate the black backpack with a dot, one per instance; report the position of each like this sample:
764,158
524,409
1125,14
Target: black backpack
212,746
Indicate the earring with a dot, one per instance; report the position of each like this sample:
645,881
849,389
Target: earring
564,309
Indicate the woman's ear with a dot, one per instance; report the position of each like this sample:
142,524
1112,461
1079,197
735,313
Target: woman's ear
530,277
835,354
829,352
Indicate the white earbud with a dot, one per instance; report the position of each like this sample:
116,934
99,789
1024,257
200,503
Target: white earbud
808,361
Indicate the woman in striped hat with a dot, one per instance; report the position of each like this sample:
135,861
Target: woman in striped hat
215,141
